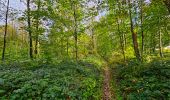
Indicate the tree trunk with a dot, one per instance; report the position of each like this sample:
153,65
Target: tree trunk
67,46
6,25
37,29
121,41
62,46
29,29
93,38
160,44
142,50
121,35
134,35
153,43
124,36
75,30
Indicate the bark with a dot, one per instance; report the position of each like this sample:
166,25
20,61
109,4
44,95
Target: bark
5,34
73,5
121,41
121,35
37,28
160,41
134,35
62,46
29,29
124,40
124,36
160,44
142,51
93,38
153,44
67,46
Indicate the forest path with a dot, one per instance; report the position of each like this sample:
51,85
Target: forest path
107,90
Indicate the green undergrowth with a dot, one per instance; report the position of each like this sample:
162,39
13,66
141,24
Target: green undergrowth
115,88
149,81
97,60
64,80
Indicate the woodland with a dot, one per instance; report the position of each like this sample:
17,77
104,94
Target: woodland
85,50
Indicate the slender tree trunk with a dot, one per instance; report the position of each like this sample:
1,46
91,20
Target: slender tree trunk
160,41
75,36
75,30
153,43
29,29
160,44
124,36
84,48
6,25
142,51
121,35
67,46
124,40
121,41
93,38
37,29
134,34
62,46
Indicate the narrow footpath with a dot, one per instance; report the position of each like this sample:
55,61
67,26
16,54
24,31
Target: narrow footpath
107,91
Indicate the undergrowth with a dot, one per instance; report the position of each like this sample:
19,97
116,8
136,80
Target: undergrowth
55,81
149,81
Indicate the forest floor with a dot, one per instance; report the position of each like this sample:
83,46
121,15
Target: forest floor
107,90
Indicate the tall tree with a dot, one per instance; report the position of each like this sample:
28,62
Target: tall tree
160,40
160,44
142,31
5,34
75,29
121,35
75,26
37,28
134,33
29,29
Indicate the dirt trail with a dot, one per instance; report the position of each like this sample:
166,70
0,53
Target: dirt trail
107,93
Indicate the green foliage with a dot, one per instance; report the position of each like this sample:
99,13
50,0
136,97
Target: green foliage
145,81
64,80
98,61
92,30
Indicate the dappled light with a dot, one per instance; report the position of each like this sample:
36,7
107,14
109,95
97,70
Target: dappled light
85,49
